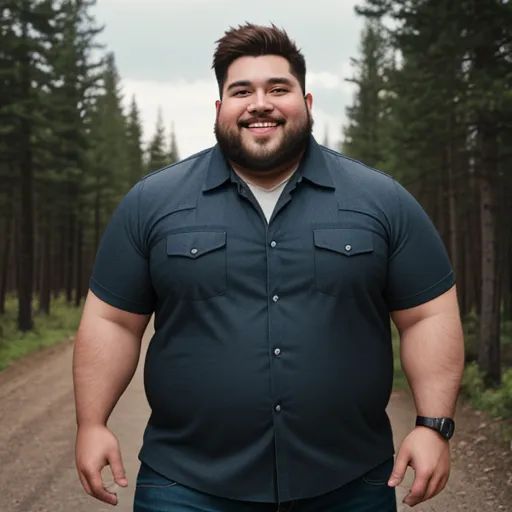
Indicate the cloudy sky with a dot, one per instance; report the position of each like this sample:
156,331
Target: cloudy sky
164,49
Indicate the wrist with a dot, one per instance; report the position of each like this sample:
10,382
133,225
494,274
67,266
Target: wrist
443,426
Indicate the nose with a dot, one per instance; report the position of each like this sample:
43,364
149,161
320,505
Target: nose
260,105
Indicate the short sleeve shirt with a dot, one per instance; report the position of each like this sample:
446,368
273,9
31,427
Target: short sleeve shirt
271,365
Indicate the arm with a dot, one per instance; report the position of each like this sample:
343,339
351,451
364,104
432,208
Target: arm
432,353
106,354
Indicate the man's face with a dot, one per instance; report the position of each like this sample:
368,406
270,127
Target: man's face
263,121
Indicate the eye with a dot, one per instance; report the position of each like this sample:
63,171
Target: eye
241,93
279,90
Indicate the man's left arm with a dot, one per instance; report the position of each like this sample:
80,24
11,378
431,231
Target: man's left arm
432,356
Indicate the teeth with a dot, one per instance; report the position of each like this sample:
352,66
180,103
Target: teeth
262,125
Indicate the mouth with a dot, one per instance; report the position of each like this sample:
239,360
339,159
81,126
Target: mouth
262,127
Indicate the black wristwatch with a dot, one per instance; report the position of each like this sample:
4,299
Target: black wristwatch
444,426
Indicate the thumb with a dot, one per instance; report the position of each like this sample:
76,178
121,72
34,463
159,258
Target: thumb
117,468
399,469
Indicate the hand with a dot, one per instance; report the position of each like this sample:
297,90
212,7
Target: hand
429,455
97,447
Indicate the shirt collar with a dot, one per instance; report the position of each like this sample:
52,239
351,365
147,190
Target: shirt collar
313,167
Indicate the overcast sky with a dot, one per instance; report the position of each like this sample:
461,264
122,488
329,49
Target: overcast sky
164,50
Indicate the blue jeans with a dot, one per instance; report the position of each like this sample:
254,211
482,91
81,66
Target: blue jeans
369,493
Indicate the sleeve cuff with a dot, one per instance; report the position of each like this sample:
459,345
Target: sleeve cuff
425,296
118,302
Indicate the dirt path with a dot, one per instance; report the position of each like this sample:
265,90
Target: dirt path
37,428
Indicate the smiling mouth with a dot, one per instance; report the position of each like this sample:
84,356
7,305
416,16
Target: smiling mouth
262,127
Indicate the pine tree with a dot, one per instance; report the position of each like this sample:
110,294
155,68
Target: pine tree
449,139
76,77
134,135
326,141
26,29
109,158
157,154
363,134
173,148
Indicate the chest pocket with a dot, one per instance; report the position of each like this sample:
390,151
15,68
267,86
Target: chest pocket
197,264
343,260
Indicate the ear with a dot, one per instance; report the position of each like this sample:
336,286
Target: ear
309,101
218,104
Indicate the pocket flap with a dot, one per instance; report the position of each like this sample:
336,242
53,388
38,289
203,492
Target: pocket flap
344,241
194,245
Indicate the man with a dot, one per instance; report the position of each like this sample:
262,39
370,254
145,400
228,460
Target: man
272,266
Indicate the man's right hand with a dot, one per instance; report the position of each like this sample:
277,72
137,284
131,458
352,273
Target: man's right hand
97,447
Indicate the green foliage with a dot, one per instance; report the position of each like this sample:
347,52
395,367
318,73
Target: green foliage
134,139
496,402
48,330
157,151
365,133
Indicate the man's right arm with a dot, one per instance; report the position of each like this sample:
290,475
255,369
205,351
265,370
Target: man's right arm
107,350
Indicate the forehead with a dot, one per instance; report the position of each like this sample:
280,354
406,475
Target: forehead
259,69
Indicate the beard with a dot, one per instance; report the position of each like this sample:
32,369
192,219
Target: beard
264,159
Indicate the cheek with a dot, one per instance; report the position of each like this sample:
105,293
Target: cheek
229,114
293,110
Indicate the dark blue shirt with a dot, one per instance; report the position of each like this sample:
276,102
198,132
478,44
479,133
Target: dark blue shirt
271,366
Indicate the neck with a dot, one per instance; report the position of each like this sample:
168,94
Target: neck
267,179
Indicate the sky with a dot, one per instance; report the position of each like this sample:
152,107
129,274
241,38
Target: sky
164,50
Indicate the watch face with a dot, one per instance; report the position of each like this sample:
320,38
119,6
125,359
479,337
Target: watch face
447,428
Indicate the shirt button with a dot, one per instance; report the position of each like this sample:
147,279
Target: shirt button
275,298
277,351
278,408
193,251
348,247
273,243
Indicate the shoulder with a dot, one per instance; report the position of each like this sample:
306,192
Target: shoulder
362,187
187,172
343,167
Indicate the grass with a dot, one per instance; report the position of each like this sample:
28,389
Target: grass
48,330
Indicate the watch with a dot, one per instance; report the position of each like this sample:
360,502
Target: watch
444,426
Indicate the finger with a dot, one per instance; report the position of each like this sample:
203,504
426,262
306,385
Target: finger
84,482
116,465
419,488
440,485
399,469
98,491
434,487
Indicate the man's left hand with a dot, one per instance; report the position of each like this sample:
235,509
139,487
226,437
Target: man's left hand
429,455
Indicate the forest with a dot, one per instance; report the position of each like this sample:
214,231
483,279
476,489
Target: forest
432,107
71,146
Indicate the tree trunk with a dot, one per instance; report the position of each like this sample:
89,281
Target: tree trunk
97,216
489,346
26,255
4,259
70,263
79,262
45,287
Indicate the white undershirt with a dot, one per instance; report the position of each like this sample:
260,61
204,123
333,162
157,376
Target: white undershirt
267,198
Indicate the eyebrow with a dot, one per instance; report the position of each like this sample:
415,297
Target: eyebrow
271,81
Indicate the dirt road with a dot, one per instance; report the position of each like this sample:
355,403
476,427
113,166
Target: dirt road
37,428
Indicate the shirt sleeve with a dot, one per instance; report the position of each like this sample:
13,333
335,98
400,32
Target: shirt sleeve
419,267
121,275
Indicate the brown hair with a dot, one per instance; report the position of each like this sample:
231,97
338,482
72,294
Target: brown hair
255,40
